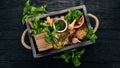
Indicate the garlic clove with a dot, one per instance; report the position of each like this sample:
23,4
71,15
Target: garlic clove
75,40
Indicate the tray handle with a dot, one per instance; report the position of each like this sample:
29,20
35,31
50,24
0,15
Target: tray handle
96,21
25,31
23,40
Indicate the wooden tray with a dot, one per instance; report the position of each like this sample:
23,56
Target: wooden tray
38,54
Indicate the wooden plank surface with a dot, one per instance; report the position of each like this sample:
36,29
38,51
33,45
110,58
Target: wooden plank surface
105,53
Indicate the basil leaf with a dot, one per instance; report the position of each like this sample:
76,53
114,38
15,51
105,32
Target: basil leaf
90,35
47,39
76,61
73,14
25,17
93,37
32,11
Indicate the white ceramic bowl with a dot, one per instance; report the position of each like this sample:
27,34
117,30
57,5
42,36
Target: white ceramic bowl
62,21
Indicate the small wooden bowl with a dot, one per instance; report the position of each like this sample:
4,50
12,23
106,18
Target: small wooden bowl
80,22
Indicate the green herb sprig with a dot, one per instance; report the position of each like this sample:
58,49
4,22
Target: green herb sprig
90,35
72,55
41,27
73,14
51,34
32,11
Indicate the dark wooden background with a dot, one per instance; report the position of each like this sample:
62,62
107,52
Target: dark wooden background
105,53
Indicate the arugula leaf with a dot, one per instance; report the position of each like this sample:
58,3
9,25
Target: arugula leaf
73,55
41,27
76,61
90,35
73,14
51,35
47,38
93,37
25,17
32,11
42,9
80,52
66,56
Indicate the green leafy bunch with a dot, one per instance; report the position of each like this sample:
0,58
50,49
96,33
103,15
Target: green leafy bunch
90,35
32,11
41,27
73,14
73,55
51,34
